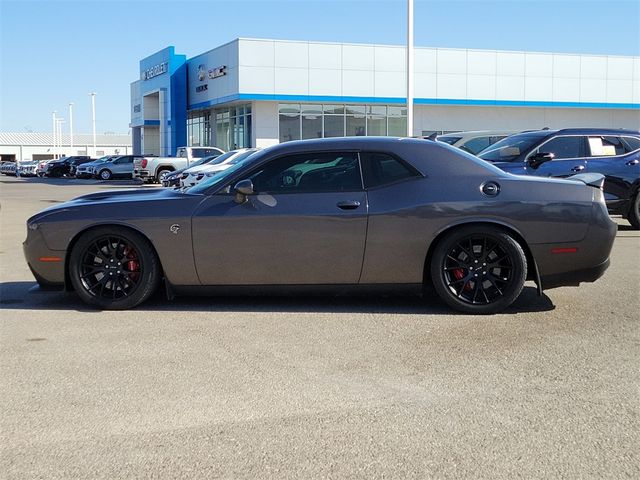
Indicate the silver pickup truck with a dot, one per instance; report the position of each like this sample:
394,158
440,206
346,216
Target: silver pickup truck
152,169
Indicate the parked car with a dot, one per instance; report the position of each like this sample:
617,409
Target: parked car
150,168
474,141
41,168
118,167
62,166
173,179
374,214
560,153
86,170
194,175
27,168
8,168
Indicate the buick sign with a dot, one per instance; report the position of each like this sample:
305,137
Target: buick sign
154,71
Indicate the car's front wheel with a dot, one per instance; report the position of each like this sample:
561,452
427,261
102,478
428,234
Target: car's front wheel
105,174
478,270
113,268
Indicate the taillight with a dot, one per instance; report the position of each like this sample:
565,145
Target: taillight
143,164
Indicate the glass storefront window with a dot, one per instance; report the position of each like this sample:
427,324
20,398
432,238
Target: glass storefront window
233,127
334,109
376,125
289,127
356,126
312,109
304,121
199,129
334,126
311,126
397,126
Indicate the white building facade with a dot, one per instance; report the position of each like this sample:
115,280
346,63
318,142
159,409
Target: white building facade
254,92
23,146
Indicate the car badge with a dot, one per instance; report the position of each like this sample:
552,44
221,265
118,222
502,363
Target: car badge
175,228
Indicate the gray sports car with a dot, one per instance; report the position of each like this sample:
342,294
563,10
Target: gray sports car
367,213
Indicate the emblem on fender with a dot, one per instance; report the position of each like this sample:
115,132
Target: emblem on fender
175,228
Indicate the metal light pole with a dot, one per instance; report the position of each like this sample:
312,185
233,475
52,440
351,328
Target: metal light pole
93,119
54,124
71,126
59,122
409,68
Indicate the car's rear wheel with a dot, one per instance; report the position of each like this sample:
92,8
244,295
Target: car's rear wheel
105,174
113,268
479,270
162,174
634,213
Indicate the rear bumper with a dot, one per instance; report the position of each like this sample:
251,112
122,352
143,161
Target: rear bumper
575,278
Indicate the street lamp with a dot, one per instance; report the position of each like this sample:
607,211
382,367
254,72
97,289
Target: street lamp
54,125
59,122
93,119
71,125
409,68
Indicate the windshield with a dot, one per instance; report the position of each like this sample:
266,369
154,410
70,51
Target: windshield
510,148
449,140
220,178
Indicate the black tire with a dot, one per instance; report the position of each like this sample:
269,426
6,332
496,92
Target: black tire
478,269
105,174
113,268
161,172
634,212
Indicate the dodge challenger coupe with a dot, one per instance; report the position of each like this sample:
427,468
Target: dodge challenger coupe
332,215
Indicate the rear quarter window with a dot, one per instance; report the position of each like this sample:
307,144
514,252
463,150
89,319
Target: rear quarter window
384,169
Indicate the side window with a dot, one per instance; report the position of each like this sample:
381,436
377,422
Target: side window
317,172
606,146
127,159
564,147
631,144
383,169
476,144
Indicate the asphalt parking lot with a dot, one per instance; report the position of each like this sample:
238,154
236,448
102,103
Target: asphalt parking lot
361,387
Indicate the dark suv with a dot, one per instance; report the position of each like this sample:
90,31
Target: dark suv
561,153
63,166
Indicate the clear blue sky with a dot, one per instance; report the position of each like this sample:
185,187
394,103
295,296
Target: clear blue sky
55,52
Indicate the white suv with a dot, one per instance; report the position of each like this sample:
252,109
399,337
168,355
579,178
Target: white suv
476,141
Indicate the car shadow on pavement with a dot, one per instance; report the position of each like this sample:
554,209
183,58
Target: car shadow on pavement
28,296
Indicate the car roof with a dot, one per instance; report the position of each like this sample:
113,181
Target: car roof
586,131
477,133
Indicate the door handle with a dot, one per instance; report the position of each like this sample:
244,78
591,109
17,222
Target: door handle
635,161
577,168
349,205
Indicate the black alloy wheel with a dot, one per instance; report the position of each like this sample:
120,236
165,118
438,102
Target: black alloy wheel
479,270
113,268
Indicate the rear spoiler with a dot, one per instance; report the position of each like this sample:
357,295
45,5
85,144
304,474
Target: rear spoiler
592,179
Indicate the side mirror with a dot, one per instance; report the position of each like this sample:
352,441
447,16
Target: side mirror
539,158
242,189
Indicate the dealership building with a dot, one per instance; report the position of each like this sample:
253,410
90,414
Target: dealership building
255,92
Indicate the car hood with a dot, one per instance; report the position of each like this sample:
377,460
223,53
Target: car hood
201,168
215,168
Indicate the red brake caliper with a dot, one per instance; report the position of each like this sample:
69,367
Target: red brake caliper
459,274
132,265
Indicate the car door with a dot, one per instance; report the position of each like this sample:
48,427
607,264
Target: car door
305,224
569,157
123,166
